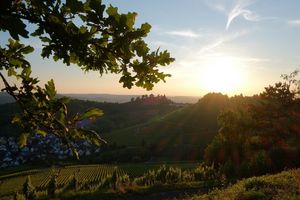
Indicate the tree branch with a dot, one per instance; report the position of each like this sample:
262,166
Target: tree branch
8,88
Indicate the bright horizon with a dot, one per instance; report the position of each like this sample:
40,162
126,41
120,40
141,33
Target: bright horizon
228,46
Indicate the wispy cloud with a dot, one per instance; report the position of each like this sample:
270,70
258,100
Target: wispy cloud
221,40
184,33
240,9
218,6
295,22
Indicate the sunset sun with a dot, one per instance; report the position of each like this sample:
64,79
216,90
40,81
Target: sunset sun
222,74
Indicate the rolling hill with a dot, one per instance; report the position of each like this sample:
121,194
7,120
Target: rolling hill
148,128
111,98
116,115
180,135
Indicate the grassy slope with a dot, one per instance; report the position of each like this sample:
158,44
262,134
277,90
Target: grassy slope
285,185
183,133
169,132
115,116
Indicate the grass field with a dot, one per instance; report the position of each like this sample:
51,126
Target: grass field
11,183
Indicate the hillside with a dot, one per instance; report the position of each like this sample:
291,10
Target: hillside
116,115
180,135
111,98
5,98
147,128
285,185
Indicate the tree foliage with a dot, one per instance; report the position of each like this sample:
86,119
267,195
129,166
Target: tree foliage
262,135
87,34
28,189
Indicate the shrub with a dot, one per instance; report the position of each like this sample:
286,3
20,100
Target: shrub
73,183
149,178
18,196
187,176
124,180
162,175
52,185
205,173
28,189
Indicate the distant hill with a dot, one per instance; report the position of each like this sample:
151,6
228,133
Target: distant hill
5,98
111,98
115,98
181,134
116,115
152,124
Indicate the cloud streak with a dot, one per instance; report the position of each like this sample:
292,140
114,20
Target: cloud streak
295,22
184,33
221,40
240,9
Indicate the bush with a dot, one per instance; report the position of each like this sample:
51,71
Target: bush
18,196
124,180
149,178
255,184
52,185
162,175
28,189
205,173
229,169
187,176
73,183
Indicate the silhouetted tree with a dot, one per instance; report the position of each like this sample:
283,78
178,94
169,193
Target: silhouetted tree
261,135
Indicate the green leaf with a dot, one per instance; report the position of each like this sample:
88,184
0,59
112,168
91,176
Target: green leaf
94,112
75,6
14,26
22,142
16,119
11,72
95,138
50,89
38,31
45,39
146,27
26,72
82,30
27,49
16,62
131,19
41,132
112,11
54,19
97,6
75,153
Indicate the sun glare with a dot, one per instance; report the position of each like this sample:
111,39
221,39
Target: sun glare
223,74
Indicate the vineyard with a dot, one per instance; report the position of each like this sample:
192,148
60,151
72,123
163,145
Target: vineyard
88,176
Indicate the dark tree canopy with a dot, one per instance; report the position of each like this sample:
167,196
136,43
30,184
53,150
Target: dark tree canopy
85,33
260,134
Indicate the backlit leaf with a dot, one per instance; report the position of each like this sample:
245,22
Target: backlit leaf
22,142
94,112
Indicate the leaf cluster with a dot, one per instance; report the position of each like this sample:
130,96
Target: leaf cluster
90,35
87,34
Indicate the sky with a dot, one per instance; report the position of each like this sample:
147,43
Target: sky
228,46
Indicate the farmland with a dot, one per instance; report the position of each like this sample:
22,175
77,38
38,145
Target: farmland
88,176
